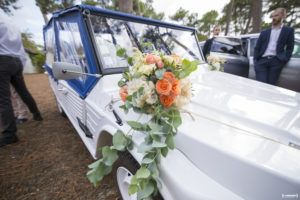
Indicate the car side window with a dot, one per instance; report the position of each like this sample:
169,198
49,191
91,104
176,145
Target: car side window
50,46
296,51
227,45
71,47
252,45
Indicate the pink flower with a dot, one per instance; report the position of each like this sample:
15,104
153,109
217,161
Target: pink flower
160,63
150,59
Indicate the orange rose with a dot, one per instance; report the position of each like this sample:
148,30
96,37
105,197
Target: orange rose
150,59
175,91
169,76
123,93
167,101
163,87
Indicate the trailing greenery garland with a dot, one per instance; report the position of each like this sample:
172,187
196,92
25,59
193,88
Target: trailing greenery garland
156,84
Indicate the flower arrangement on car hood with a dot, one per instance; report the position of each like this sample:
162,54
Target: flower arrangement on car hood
155,84
215,64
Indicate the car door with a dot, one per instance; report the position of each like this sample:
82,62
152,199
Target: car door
231,50
74,47
289,77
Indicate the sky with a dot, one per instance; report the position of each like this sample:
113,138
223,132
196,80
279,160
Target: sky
29,18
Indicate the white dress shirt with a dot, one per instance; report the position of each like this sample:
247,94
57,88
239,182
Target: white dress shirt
10,39
271,49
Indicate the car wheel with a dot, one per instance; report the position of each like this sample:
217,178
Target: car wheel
124,169
61,110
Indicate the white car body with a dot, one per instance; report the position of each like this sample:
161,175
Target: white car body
239,138
243,142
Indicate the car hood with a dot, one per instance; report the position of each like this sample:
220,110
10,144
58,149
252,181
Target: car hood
242,132
239,132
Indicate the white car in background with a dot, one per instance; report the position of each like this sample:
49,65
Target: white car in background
240,141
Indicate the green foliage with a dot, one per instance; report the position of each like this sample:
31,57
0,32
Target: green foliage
38,56
207,22
103,166
187,68
90,2
145,9
8,5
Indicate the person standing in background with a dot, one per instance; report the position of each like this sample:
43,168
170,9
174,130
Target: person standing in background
208,43
12,58
273,49
20,109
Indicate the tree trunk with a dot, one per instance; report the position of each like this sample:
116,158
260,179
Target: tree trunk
257,15
126,6
45,17
228,17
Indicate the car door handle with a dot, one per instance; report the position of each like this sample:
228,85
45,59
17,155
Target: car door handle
63,90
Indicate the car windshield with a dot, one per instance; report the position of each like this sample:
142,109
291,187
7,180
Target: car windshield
113,34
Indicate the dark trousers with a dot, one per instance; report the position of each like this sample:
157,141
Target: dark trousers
11,71
268,70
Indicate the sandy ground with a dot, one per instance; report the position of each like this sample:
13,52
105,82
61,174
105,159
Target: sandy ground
50,160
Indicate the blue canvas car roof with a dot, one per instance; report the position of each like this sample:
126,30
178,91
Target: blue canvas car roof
118,14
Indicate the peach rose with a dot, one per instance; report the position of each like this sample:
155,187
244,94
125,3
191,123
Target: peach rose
150,59
123,93
169,76
167,101
163,87
175,91
160,63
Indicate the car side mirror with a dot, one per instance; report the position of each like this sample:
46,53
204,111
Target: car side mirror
65,71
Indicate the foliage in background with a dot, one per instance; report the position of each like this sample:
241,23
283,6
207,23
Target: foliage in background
8,5
38,57
241,18
49,6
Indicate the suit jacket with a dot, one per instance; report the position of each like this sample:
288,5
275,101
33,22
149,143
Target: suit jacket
285,44
207,47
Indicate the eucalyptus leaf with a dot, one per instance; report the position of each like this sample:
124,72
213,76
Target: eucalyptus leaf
147,160
157,144
119,141
154,170
133,189
170,141
155,127
109,156
134,180
147,191
136,125
158,183
143,173
121,83
96,175
164,151
94,164
159,73
144,147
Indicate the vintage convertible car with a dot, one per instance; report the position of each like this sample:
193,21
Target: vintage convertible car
240,140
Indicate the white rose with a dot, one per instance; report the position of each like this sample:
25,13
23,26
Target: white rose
147,69
217,65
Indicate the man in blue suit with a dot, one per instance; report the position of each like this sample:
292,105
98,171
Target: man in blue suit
273,49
